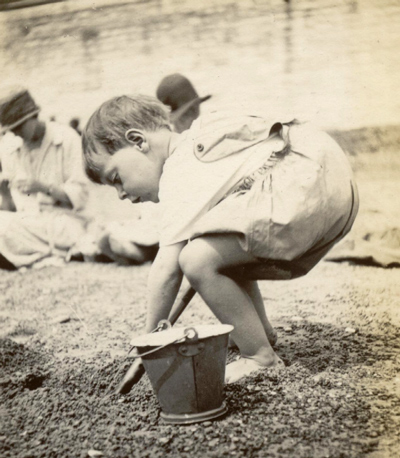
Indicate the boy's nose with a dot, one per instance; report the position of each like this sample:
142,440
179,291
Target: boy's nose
121,193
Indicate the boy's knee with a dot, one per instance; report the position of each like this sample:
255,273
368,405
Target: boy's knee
194,261
188,261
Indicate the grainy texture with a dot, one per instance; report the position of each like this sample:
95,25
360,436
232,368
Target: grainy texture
65,332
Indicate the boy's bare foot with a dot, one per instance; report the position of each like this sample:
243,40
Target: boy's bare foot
244,367
272,337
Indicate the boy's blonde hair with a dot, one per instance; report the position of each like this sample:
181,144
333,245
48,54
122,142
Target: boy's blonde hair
108,124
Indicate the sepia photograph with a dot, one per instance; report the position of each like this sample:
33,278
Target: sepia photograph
199,228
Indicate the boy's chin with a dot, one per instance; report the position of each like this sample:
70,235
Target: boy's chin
151,198
154,199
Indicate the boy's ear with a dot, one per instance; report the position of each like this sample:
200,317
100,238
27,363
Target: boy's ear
137,138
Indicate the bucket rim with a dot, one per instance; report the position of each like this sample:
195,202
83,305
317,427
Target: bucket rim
196,417
173,335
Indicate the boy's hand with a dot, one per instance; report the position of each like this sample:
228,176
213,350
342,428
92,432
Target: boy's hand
164,282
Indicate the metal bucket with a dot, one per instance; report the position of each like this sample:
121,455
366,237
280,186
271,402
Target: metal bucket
186,368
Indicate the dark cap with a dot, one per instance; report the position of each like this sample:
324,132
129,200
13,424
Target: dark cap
16,108
178,92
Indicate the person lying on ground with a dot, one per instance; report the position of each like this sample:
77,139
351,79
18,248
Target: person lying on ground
47,182
233,190
133,241
129,242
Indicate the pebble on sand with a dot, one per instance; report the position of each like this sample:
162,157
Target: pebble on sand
92,453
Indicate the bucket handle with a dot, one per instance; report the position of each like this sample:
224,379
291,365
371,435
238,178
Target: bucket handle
190,334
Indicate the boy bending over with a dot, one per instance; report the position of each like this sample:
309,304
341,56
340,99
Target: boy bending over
234,191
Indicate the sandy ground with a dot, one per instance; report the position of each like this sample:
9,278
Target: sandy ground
65,333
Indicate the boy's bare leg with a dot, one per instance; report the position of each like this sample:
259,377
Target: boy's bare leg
202,261
253,290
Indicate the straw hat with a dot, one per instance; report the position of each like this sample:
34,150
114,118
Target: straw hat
16,108
178,92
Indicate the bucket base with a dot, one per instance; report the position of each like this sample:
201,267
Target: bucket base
187,418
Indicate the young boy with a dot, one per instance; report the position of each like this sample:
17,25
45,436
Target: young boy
233,191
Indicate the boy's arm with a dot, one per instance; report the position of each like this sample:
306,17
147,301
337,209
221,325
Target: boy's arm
164,282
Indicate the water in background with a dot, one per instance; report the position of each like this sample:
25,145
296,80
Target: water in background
335,61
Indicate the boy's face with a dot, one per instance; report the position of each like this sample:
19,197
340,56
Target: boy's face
134,174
